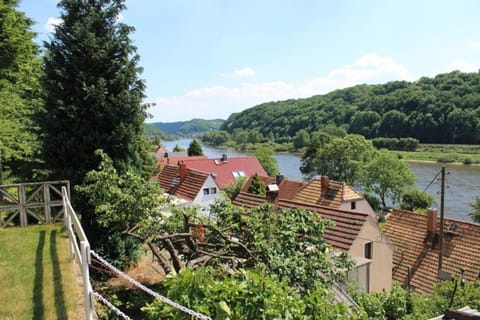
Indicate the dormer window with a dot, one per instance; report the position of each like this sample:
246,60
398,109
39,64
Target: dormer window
238,174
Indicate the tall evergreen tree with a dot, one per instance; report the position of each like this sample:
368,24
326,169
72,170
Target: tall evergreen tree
195,149
19,94
94,95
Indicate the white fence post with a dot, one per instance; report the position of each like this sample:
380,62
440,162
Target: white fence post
89,306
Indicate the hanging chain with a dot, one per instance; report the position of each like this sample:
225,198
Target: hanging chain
117,311
148,290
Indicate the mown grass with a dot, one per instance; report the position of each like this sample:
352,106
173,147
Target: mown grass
37,278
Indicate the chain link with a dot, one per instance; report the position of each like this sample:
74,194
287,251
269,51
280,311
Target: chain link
111,306
148,290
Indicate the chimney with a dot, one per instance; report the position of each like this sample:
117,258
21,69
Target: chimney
183,170
432,222
224,157
272,193
325,184
279,179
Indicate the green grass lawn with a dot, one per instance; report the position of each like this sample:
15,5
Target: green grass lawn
37,278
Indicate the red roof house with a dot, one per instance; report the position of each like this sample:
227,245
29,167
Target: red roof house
226,170
190,185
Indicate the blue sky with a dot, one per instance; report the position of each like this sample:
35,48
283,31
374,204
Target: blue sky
210,58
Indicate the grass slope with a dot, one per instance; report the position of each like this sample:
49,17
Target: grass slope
36,275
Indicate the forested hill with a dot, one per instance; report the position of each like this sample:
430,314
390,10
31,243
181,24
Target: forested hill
443,109
191,127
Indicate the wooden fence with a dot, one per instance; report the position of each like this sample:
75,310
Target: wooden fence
32,203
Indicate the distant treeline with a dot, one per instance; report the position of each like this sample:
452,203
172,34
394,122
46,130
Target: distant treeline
443,109
188,128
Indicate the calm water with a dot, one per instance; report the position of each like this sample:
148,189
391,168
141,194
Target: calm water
462,182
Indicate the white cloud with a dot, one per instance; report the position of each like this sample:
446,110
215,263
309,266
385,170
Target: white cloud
244,72
51,23
463,65
240,73
220,101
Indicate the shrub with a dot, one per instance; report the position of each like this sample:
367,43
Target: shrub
467,161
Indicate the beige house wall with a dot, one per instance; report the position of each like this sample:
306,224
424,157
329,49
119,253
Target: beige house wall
380,276
361,205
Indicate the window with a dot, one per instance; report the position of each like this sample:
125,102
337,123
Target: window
206,191
238,174
213,190
353,205
331,193
368,250
361,276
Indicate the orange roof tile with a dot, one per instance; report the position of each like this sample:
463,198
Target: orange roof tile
187,189
408,231
341,236
347,223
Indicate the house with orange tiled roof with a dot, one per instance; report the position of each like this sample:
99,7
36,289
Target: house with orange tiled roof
319,191
416,259
190,186
325,192
356,233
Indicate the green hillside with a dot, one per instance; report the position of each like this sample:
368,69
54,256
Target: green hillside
443,109
187,128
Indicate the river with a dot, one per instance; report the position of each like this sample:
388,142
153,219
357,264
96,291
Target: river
462,182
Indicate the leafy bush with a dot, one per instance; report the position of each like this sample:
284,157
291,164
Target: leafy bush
244,294
467,161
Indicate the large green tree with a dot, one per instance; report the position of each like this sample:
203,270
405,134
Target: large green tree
342,159
94,96
387,176
20,93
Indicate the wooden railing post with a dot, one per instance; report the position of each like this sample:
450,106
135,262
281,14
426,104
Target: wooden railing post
21,200
46,201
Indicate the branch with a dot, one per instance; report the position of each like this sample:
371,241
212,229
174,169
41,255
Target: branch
231,239
161,259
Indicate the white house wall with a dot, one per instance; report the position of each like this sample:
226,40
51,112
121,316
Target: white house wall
205,200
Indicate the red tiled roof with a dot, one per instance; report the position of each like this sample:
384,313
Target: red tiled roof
248,200
166,177
191,186
287,188
408,231
347,223
341,236
173,159
186,189
223,170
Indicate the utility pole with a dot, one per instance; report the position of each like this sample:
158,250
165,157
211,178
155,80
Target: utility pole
442,204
